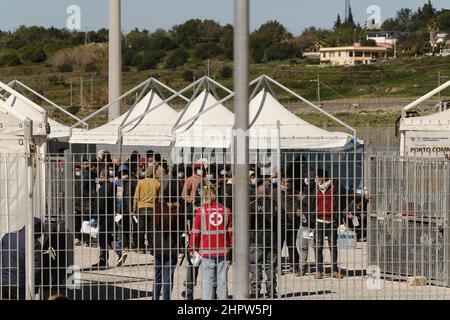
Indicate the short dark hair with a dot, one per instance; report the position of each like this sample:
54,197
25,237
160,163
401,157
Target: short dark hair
322,173
157,157
150,153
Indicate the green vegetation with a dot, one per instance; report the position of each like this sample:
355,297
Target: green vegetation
52,60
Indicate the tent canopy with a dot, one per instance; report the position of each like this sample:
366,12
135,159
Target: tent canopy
211,129
12,126
154,128
435,122
295,133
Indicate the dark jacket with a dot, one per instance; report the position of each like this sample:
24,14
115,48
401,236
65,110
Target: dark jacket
164,230
175,192
263,223
13,258
106,206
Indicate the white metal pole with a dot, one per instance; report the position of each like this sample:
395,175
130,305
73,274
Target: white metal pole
241,150
29,226
115,57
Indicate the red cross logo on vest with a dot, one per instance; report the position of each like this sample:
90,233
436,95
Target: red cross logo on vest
215,219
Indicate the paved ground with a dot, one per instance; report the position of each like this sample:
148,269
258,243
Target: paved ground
135,280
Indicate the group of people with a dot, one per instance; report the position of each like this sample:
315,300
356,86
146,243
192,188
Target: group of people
185,211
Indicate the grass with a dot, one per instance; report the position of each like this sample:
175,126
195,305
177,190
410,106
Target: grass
403,78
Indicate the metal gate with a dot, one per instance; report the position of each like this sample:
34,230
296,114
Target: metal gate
324,225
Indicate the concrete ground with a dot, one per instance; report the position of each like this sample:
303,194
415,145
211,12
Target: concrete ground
135,280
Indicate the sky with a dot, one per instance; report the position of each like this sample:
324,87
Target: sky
296,15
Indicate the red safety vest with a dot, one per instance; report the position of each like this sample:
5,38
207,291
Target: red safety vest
211,234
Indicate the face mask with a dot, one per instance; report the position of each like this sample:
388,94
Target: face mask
306,181
210,177
125,177
253,181
180,175
223,172
286,188
111,173
199,172
275,181
142,174
78,174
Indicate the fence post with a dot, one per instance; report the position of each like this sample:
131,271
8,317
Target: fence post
241,151
68,209
29,226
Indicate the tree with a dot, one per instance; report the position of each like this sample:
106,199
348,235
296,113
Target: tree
267,35
338,22
208,50
177,58
282,51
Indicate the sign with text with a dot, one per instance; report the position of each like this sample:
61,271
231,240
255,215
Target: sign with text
427,144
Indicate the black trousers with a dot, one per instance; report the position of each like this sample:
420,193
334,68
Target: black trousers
289,236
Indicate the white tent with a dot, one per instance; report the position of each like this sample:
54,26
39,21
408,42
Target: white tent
427,136
212,129
295,133
151,129
13,170
12,130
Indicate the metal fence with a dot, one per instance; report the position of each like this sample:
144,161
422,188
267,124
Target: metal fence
324,225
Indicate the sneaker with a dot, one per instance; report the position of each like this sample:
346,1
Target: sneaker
187,296
122,259
318,275
77,243
270,295
337,275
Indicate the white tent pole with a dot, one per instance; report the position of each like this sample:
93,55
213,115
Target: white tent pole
212,81
205,111
255,91
126,94
138,99
425,98
177,94
312,105
17,82
200,83
170,89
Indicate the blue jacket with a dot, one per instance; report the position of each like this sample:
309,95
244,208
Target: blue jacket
13,257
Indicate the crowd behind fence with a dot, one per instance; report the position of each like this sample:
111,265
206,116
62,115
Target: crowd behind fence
323,226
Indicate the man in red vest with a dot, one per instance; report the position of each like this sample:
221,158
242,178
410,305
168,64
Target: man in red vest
327,221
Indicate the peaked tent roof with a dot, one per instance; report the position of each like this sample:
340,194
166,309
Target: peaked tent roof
152,129
435,122
264,113
212,129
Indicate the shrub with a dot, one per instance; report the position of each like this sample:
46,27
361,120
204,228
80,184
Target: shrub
282,51
177,59
91,67
33,54
65,67
188,75
149,61
9,60
226,72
